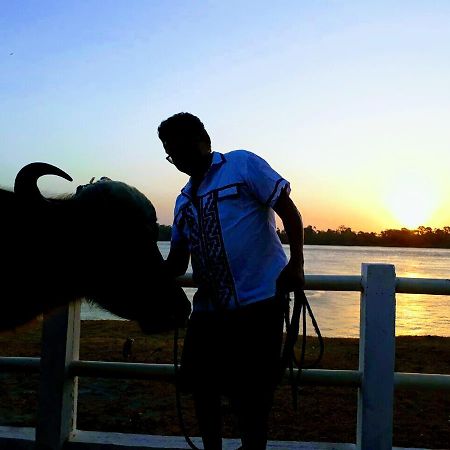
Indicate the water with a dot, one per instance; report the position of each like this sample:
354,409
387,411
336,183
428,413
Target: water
338,312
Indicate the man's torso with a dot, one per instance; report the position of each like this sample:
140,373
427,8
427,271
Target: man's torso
230,229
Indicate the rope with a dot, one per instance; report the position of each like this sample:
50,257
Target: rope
288,358
178,392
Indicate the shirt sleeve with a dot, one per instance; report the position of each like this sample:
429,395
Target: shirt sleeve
264,183
178,238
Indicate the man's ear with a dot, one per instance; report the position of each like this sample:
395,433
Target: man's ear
204,147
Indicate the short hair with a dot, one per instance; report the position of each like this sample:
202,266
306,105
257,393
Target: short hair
183,126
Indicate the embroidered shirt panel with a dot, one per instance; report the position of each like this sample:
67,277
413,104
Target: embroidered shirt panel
236,255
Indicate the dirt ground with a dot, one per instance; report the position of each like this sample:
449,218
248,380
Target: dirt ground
421,418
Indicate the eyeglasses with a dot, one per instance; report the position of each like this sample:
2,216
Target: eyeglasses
181,157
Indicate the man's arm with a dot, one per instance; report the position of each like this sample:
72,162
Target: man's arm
177,261
292,276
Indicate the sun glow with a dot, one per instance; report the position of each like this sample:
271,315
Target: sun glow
412,199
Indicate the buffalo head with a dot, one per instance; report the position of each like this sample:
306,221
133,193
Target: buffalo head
100,244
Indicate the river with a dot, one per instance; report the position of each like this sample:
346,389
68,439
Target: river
337,313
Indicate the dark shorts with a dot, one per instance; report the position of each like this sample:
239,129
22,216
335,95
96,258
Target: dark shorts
234,350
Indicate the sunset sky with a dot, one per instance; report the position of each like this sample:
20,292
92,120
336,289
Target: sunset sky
348,100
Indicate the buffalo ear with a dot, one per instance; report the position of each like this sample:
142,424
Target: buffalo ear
25,184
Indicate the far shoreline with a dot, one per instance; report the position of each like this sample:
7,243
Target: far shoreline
358,245
420,237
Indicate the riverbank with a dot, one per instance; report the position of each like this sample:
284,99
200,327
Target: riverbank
421,419
421,237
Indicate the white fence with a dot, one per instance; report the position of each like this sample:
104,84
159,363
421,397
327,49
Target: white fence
60,367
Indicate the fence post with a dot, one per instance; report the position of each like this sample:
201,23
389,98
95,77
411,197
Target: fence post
58,391
376,357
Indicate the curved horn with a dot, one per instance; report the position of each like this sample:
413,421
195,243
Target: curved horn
26,180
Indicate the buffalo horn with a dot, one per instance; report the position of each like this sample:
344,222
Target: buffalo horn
26,180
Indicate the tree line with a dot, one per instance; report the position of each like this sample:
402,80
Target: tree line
422,237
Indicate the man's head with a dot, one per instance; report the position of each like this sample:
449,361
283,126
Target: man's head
186,142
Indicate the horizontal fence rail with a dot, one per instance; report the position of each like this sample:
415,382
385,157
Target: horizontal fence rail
377,285
143,371
20,364
422,286
354,283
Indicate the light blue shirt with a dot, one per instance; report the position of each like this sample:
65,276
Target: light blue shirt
231,234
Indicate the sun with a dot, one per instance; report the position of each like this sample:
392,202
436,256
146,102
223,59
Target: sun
412,198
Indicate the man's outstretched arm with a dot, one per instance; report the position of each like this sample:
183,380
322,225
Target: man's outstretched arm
177,261
292,276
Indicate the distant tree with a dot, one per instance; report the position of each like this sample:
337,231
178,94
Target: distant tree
310,234
364,238
397,238
283,236
165,233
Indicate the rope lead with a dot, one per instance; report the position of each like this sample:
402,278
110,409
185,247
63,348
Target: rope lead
178,392
288,358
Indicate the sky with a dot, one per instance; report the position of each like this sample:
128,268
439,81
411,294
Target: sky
348,100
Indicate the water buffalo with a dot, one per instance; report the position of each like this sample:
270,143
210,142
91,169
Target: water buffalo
99,243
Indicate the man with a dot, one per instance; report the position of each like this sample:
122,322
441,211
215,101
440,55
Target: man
224,221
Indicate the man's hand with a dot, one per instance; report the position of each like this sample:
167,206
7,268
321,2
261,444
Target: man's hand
177,261
291,278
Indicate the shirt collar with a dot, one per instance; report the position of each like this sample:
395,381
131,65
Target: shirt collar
217,160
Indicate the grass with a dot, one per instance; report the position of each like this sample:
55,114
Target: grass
421,419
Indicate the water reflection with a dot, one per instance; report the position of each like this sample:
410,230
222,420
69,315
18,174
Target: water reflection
338,312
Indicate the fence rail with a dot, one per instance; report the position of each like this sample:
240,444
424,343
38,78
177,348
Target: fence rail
353,283
140,371
376,380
